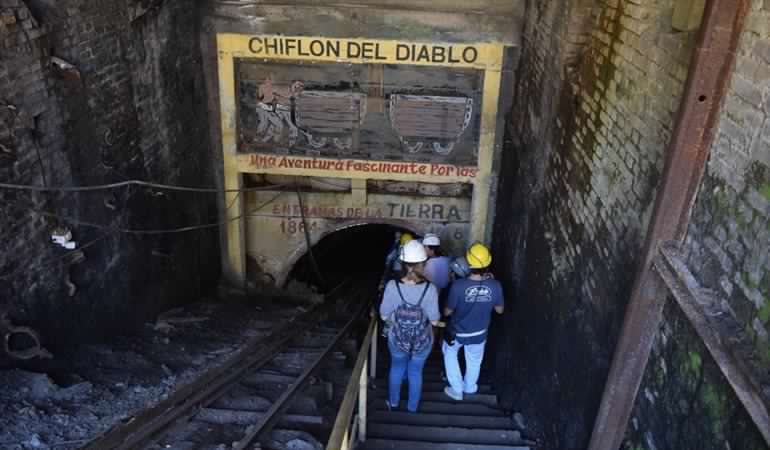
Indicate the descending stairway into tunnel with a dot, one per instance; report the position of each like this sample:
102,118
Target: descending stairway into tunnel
476,423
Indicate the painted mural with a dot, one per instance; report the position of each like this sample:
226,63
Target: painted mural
377,111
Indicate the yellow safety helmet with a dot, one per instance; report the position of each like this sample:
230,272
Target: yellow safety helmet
406,237
478,256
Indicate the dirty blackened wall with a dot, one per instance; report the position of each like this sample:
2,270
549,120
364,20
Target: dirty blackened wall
137,111
685,401
597,93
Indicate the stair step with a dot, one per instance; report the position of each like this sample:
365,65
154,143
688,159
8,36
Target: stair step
457,408
433,396
445,434
379,444
439,420
429,386
429,373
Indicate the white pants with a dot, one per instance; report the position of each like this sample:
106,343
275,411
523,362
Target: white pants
474,354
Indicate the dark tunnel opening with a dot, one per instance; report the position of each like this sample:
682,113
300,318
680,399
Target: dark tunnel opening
359,250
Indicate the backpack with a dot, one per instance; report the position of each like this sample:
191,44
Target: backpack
411,329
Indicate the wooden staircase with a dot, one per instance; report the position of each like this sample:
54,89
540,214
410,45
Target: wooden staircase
441,423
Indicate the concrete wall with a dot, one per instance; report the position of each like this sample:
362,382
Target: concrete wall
136,110
598,88
685,401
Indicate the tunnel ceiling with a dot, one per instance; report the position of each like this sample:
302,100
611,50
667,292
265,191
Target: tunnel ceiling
447,20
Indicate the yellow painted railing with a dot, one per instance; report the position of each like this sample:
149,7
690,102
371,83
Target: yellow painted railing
350,429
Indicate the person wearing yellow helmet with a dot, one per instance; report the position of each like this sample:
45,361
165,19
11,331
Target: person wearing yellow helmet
392,263
469,306
478,256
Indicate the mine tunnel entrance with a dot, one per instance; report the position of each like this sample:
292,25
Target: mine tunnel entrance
206,159
349,252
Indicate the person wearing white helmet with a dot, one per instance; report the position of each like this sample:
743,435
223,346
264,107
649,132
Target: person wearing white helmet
410,306
437,268
437,271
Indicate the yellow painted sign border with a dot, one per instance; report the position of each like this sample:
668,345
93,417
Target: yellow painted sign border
230,47
481,55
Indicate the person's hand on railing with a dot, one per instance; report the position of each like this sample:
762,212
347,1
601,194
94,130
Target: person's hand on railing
438,323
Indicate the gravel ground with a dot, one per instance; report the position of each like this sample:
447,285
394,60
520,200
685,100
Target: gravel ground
84,393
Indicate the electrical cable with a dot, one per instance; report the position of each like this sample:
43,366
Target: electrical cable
310,253
112,230
59,258
232,202
148,231
14,118
329,183
100,187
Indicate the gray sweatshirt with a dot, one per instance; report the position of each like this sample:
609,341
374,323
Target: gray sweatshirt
411,293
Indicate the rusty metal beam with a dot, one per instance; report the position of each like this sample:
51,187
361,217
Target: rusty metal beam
694,302
707,80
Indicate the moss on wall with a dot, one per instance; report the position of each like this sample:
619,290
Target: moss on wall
685,402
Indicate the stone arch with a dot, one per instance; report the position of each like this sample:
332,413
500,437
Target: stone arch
302,249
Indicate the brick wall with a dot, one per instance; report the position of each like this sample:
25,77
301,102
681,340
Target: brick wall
579,179
684,401
729,237
133,108
685,397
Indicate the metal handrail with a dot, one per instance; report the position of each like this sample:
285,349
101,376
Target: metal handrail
349,429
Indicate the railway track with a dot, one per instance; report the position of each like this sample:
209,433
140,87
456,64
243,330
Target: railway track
236,405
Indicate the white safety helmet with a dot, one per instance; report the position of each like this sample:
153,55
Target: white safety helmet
413,252
431,240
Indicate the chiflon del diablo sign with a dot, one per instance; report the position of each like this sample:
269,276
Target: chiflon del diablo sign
323,48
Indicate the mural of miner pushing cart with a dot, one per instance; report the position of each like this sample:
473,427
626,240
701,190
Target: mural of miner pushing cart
378,111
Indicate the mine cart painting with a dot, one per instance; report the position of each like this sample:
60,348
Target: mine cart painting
435,120
324,111
330,118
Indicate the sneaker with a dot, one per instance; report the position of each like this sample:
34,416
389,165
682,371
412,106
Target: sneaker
389,406
454,395
470,393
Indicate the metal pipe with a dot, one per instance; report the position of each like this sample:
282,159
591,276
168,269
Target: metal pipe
707,80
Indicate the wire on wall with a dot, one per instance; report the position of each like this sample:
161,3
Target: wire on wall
113,230
99,187
124,230
56,259
308,242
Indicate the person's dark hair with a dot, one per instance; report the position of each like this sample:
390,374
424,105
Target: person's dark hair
436,249
479,271
405,269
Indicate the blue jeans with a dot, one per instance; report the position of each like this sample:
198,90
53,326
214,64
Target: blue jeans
400,363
